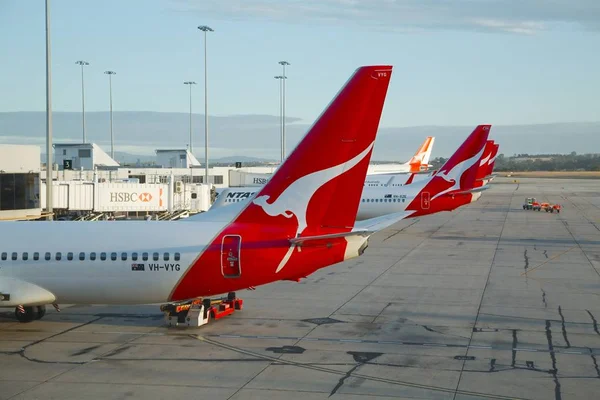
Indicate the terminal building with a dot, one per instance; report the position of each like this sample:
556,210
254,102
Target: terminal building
87,182
176,159
81,156
19,182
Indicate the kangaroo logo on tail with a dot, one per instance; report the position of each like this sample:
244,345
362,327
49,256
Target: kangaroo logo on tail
455,174
485,160
293,201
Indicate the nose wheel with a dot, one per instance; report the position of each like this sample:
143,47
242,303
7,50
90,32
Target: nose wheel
29,313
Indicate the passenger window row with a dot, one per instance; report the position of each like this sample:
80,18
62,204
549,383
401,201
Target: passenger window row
383,200
91,256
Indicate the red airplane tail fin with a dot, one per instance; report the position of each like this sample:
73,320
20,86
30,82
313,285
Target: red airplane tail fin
484,163
492,161
329,164
460,171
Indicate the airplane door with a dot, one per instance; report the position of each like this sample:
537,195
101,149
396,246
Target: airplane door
230,256
425,200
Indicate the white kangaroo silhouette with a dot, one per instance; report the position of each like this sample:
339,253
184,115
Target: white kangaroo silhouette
455,174
485,160
293,201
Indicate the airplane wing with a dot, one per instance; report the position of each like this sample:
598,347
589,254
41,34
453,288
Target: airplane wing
301,240
379,223
474,190
488,177
364,228
219,214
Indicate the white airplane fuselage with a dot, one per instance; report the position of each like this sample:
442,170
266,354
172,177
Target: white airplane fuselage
378,201
394,180
102,281
374,202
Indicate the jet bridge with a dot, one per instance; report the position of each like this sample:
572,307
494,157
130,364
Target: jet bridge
110,197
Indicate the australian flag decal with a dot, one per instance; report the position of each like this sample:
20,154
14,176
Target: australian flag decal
137,267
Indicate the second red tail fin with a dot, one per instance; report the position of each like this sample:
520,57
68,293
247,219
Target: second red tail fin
492,160
484,164
460,171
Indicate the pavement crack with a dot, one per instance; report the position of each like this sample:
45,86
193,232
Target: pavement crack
515,343
23,350
595,361
546,253
117,351
401,230
371,378
526,260
361,358
343,379
564,329
544,298
593,321
86,350
554,370
381,312
432,330
487,282
492,365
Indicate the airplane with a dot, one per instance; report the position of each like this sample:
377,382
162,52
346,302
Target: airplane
486,168
406,178
452,186
418,163
448,188
292,228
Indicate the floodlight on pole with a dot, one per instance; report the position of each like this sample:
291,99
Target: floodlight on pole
205,29
82,64
281,78
112,141
190,83
49,148
283,64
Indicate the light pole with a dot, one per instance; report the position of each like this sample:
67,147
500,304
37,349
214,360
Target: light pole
112,141
82,63
281,78
205,29
49,150
283,64
190,83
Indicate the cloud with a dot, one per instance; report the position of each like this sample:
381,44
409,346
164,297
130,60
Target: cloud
507,16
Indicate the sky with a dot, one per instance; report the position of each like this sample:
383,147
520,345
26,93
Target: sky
459,62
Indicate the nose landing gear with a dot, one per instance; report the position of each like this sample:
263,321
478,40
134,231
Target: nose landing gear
29,313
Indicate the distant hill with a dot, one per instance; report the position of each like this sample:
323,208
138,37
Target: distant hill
138,134
127,158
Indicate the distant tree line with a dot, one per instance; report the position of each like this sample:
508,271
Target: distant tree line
540,162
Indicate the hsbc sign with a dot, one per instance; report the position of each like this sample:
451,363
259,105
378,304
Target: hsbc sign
131,197
125,197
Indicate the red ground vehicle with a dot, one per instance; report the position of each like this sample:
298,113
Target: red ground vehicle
553,208
532,204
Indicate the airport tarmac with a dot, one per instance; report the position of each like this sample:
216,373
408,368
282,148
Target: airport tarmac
486,302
